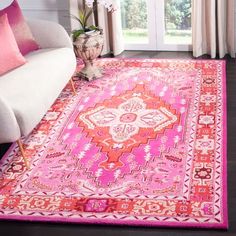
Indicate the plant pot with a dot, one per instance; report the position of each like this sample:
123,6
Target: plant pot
88,47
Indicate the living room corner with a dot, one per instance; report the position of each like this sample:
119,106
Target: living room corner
117,117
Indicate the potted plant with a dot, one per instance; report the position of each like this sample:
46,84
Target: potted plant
88,43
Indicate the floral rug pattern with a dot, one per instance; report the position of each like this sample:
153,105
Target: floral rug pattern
143,145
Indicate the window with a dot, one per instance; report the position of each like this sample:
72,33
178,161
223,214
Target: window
178,22
156,24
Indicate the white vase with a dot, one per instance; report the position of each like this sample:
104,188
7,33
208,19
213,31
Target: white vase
89,46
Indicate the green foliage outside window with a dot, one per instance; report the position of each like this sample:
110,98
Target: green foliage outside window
177,12
134,14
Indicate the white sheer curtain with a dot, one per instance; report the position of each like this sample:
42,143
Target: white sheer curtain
213,27
110,22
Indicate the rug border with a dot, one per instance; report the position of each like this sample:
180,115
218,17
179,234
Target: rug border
225,187
147,223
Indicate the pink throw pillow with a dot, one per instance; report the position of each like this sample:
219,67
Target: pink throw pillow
10,56
21,30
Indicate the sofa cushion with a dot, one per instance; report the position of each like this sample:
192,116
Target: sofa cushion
21,30
32,88
10,56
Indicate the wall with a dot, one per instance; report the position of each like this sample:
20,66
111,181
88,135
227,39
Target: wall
53,10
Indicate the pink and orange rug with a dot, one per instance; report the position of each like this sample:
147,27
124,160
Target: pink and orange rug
143,145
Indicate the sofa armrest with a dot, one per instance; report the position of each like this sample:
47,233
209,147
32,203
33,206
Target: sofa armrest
9,128
49,34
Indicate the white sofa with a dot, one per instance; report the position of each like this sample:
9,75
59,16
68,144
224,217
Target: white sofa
27,92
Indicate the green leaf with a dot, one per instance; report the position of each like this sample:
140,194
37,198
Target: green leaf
76,34
88,15
93,27
79,20
82,16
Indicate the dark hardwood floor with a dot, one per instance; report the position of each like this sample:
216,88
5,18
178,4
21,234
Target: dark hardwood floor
34,229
